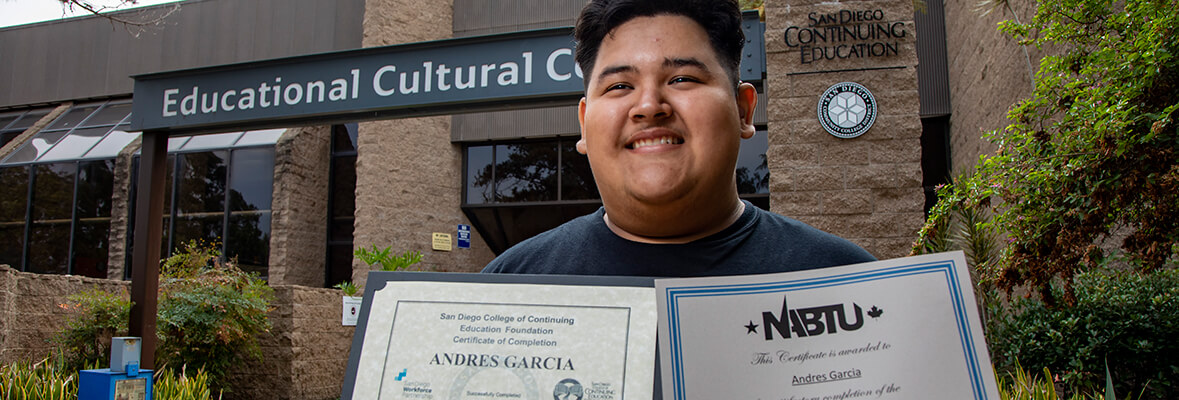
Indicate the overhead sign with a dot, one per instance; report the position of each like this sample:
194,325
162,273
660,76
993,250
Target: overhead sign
515,70
362,84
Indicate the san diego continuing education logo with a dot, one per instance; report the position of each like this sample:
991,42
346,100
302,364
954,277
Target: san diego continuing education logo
847,110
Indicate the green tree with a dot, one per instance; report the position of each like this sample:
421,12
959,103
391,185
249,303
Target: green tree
1091,156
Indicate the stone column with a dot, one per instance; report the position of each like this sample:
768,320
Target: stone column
865,188
408,173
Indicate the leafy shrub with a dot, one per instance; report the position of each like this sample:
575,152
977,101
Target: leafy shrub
210,312
388,262
350,289
1090,157
96,317
1125,319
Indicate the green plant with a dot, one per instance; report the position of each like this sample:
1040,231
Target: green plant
1092,155
1020,384
96,316
210,312
388,262
48,379
52,379
169,385
1124,323
350,289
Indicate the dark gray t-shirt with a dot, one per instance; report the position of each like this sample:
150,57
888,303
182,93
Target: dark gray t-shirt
759,242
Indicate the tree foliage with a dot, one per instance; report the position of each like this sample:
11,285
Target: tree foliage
1092,155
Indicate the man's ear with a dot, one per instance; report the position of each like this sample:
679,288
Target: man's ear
746,104
581,122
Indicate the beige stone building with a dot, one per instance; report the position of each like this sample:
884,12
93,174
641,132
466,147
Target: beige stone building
292,202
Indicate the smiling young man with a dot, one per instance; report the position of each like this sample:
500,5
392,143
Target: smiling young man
662,122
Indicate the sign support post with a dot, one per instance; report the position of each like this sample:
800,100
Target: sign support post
145,257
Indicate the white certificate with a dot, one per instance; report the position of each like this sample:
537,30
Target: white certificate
504,341
906,328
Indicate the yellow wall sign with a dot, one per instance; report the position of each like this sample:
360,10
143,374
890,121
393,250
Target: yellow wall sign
442,241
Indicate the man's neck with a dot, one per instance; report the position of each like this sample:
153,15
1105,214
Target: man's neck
724,222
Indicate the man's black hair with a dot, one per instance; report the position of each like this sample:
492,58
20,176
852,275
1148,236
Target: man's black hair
721,20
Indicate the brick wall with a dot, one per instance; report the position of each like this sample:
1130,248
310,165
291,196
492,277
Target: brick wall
30,312
866,189
304,355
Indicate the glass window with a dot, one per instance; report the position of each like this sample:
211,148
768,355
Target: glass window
26,121
249,240
256,138
53,199
480,175
209,142
6,119
251,179
753,174
114,142
344,188
73,117
174,143
74,145
342,204
526,172
201,186
14,195
8,136
577,181
96,182
91,247
110,115
220,197
35,147
248,234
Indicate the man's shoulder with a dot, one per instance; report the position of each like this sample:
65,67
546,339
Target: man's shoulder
805,242
547,247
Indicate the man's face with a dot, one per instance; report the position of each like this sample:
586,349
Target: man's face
660,121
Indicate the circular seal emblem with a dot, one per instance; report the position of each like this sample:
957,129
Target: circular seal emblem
847,110
568,389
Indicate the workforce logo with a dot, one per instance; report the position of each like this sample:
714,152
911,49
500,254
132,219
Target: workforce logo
847,110
568,389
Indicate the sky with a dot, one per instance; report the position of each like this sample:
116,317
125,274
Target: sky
20,12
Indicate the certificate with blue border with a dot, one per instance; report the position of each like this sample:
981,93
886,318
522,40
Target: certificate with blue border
906,328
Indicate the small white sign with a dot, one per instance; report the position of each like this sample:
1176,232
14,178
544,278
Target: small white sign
351,312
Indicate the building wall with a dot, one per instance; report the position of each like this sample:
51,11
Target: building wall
408,173
304,355
89,57
32,310
299,218
989,73
867,189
